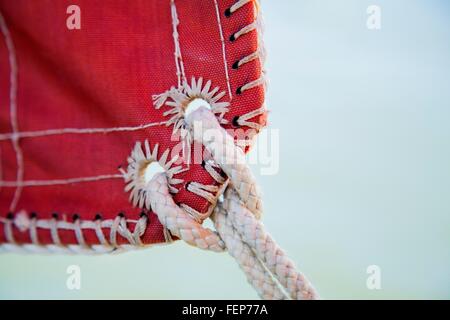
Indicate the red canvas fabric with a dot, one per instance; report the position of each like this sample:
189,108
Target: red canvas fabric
104,76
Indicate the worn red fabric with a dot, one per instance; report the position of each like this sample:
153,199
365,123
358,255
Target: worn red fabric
104,76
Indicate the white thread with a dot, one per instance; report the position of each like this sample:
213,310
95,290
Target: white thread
258,54
9,231
13,110
79,233
178,57
243,119
113,231
238,5
167,236
204,191
224,55
99,233
209,167
39,183
244,30
252,84
95,249
50,132
116,226
195,214
33,232
54,232
247,59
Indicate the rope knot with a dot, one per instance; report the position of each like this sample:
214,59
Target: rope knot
236,218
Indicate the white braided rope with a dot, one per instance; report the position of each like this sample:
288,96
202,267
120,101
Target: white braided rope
264,247
255,271
266,266
178,221
231,159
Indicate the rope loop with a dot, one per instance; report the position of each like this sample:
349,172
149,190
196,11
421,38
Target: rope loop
236,218
177,220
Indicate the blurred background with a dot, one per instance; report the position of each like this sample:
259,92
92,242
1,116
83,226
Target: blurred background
364,167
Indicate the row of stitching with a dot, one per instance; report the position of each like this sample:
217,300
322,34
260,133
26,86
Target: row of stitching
68,249
259,54
210,192
13,110
119,225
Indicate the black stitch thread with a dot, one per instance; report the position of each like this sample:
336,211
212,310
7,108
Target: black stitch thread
235,65
98,216
33,215
121,214
235,121
54,215
239,90
10,216
227,12
232,38
75,217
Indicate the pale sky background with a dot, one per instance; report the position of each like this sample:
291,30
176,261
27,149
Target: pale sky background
364,171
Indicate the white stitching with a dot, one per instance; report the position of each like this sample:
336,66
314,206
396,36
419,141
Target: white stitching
204,191
244,30
33,231
197,188
8,231
118,225
79,233
13,110
258,54
252,84
54,231
243,119
209,167
247,59
195,214
178,57
50,132
71,249
238,5
35,183
223,50
99,233
113,231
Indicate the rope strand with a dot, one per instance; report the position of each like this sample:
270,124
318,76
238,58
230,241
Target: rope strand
267,267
